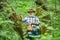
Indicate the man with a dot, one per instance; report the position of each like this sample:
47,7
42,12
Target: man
32,21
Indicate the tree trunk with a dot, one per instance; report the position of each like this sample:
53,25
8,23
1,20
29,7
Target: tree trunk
38,10
40,5
18,23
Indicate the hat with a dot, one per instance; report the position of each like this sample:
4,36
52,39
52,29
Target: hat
31,10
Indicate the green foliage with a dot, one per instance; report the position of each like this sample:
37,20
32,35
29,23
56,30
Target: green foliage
21,7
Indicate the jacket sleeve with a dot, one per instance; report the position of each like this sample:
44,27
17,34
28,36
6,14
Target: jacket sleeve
37,21
25,19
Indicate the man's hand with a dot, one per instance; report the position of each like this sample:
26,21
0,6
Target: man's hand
29,28
37,27
33,23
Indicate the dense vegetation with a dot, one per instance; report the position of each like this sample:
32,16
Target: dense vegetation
50,18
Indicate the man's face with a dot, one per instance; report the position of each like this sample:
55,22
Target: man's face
31,14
